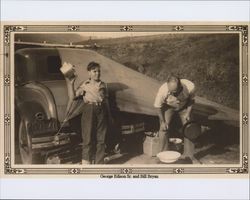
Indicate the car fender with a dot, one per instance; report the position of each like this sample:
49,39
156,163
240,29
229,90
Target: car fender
36,106
37,92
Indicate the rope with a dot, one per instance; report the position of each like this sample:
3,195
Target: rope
67,115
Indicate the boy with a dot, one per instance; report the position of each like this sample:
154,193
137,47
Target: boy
94,121
175,96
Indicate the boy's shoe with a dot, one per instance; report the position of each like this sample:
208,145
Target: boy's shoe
85,162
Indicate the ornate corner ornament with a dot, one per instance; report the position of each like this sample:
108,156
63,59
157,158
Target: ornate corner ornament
74,28
9,29
244,31
243,169
178,28
126,28
245,118
178,171
9,170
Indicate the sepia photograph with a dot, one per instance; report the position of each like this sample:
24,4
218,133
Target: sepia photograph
125,97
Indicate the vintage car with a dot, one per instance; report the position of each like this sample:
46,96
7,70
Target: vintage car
43,135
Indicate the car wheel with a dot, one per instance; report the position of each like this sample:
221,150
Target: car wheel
25,146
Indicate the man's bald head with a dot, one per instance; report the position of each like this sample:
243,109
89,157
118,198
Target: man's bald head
174,83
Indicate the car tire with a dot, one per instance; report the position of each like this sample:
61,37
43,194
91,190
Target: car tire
25,146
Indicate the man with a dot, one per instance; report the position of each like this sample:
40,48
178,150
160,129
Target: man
175,96
94,121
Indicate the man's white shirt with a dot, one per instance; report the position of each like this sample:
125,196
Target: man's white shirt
164,97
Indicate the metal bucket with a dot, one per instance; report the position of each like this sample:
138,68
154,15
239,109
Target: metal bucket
176,144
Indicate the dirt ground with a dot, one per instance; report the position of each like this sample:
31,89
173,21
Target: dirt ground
220,146
217,146
209,154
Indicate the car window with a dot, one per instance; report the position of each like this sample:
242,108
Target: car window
49,68
34,65
54,64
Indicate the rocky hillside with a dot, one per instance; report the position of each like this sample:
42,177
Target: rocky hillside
211,61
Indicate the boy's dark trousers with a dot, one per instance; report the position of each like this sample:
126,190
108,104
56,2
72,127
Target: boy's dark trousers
94,125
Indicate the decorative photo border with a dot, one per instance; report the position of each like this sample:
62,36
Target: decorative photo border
8,87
